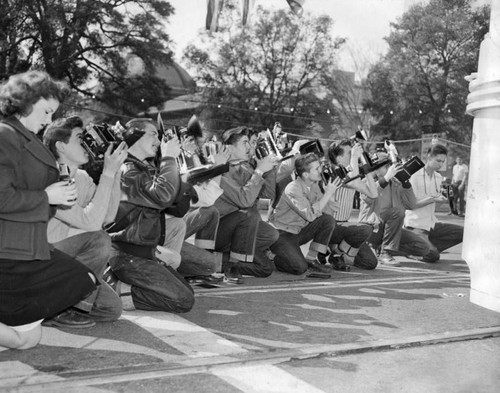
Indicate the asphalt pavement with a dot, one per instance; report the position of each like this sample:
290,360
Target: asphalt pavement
395,329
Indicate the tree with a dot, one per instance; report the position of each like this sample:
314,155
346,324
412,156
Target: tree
268,71
87,43
419,85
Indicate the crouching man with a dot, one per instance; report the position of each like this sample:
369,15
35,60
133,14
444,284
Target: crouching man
299,219
147,280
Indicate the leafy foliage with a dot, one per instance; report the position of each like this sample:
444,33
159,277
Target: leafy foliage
87,43
419,85
273,65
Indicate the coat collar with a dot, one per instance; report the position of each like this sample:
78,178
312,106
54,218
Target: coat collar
33,144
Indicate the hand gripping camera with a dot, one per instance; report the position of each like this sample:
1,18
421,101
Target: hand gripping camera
266,146
97,138
365,160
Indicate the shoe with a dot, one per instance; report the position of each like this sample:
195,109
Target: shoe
322,258
387,259
315,266
338,263
232,273
212,279
110,278
70,319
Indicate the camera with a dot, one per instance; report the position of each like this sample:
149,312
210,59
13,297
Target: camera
447,190
313,146
97,138
330,171
411,166
365,160
266,146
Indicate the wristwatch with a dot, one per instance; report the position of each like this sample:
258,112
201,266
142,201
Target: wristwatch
259,172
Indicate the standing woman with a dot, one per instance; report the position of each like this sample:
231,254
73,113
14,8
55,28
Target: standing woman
35,282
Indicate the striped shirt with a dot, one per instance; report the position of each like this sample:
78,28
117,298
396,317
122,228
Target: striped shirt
340,206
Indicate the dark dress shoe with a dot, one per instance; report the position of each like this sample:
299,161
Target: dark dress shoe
338,263
70,319
315,266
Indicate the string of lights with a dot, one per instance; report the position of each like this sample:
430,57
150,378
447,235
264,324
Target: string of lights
260,126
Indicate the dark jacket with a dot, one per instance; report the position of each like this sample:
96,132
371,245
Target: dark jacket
150,189
27,167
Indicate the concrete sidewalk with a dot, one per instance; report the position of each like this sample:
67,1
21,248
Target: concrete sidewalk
409,328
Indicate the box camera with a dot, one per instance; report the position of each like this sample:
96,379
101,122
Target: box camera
313,146
97,138
447,190
409,168
266,146
330,171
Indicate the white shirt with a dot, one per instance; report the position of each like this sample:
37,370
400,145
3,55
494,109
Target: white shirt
459,172
424,186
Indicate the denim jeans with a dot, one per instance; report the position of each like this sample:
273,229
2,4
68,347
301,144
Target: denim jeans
289,257
154,286
261,266
195,259
236,234
93,249
438,239
355,235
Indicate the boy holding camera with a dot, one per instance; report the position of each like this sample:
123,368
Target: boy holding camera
78,230
422,221
299,218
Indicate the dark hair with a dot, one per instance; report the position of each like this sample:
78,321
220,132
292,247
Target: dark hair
252,132
60,130
22,91
303,163
337,149
140,123
437,150
233,135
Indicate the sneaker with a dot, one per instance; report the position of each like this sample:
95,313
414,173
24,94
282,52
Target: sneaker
387,259
338,263
315,266
70,319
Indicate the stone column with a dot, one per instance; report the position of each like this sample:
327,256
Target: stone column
481,247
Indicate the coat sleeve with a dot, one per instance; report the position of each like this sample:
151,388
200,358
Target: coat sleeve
241,195
17,203
89,214
148,187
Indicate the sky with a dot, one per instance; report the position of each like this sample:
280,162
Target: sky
363,22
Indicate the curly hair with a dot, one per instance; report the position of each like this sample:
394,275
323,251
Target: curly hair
60,130
22,91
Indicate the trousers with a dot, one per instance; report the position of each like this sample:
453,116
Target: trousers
93,249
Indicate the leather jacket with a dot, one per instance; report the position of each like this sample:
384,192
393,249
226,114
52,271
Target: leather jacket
148,187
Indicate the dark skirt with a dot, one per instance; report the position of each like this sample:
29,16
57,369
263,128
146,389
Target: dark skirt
34,290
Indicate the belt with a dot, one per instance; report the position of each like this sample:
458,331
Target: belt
417,229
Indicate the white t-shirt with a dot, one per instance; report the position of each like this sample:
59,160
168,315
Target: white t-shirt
424,186
459,172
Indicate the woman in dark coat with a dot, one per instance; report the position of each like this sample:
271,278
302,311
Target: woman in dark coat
35,281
